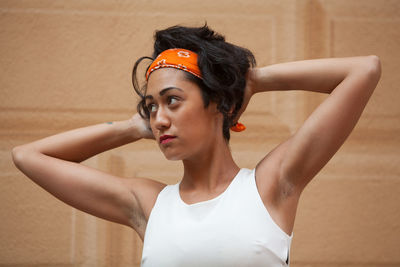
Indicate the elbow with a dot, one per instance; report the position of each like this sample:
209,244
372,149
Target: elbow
19,155
368,71
373,66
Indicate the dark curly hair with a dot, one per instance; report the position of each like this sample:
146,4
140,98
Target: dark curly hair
223,67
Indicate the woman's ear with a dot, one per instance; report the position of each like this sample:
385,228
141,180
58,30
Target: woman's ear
230,113
213,107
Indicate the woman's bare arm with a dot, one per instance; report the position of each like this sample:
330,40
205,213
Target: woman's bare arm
80,144
350,83
53,163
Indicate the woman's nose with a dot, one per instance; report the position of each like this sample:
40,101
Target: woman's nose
161,120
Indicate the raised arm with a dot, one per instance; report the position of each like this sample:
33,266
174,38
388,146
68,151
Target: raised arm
52,163
350,83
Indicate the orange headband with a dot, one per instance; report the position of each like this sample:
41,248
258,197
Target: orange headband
178,58
185,60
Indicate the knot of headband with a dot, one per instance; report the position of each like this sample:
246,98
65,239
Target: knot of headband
185,60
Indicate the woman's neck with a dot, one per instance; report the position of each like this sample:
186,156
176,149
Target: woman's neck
212,169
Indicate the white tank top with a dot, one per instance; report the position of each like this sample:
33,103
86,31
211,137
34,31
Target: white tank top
233,229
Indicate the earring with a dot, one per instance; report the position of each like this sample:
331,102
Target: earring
238,127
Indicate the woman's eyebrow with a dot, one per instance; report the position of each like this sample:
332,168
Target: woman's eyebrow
163,92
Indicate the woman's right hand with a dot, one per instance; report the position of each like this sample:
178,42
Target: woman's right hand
142,126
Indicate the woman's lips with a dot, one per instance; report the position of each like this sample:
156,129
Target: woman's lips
166,139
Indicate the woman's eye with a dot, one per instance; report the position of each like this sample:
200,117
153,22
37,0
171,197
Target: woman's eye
151,108
172,100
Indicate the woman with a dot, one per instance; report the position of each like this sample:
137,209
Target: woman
197,87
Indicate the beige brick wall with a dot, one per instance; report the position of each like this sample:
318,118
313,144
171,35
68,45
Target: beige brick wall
66,64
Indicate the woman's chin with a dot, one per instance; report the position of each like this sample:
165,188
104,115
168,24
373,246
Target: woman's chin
172,156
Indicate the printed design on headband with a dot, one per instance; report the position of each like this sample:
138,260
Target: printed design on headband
181,66
177,58
161,62
183,54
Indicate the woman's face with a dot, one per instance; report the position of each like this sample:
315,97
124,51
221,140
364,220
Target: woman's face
181,124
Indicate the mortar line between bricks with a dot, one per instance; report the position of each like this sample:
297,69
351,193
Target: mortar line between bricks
118,13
